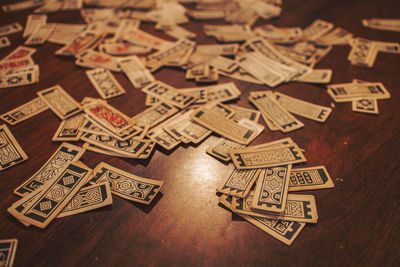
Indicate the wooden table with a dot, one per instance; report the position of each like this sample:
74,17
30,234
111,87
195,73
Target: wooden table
358,224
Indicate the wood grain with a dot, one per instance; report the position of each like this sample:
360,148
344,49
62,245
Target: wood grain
358,224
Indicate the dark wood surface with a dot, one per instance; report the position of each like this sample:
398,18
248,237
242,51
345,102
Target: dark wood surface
359,221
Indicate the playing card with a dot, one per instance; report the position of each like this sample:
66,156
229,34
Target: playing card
10,28
105,83
8,248
88,198
249,158
168,94
65,154
130,147
303,108
310,178
54,195
299,208
347,92
20,52
223,126
272,189
239,182
107,116
69,129
60,102
90,126
369,106
127,185
271,109
33,21
221,149
245,113
154,115
11,152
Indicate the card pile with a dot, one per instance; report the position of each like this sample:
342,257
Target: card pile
65,186
258,188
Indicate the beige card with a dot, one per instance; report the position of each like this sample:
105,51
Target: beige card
245,113
299,208
163,138
20,52
271,109
369,106
239,182
40,34
60,102
168,94
135,71
25,111
347,92
69,129
128,185
310,178
272,189
88,198
154,115
54,195
65,154
90,126
317,29
105,83
250,158
11,152
94,59
317,76
130,147
8,249
285,231
32,22
221,149
224,126
303,108
106,116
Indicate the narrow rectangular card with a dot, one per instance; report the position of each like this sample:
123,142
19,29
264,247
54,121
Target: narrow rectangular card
154,115
135,71
20,52
299,208
127,185
223,126
310,178
40,34
369,106
8,249
249,158
352,91
94,59
8,65
65,154
55,195
317,76
272,189
60,102
284,231
245,113
168,94
239,182
25,111
69,129
88,198
105,83
130,147
303,108
271,109
11,152
32,22
10,29
163,138
221,149
107,116
89,126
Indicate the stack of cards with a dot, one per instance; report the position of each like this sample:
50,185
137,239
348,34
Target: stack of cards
258,188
